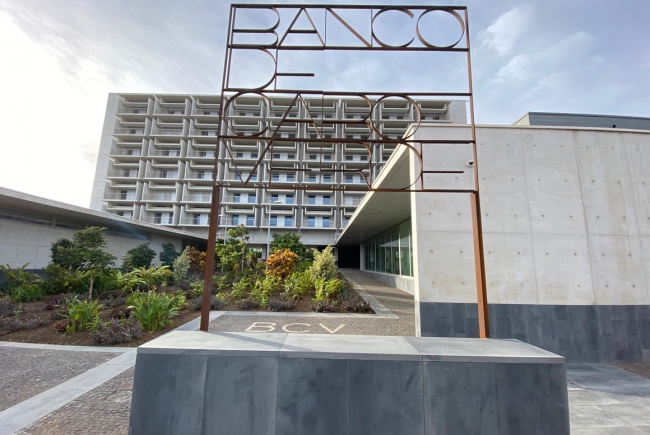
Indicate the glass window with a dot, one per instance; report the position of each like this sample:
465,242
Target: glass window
197,219
254,177
288,221
327,178
312,157
289,199
250,220
311,221
327,157
312,199
275,177
312,178
237,197
326,200
274,221
274,197
326,222
254,155
291,156
291,177
390,251
235,220
240,155
276,156
251,199
349,178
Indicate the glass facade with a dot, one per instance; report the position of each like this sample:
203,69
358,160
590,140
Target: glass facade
391,251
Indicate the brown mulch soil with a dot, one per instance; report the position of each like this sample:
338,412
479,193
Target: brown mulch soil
303,305
48,335
638,368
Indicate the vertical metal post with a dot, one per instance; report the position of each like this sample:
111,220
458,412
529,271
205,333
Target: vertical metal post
209,256
268,234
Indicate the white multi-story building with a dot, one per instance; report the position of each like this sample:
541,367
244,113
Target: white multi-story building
157,155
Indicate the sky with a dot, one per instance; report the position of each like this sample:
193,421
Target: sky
59,59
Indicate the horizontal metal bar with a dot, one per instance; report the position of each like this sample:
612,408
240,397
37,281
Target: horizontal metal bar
339,6
344,93
342,48
443,172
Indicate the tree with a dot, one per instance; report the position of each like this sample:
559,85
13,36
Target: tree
290,241
138,257
168,255
324,266
86,252
234,251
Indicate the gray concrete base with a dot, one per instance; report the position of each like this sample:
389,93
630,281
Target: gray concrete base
244,383
580,333
402,282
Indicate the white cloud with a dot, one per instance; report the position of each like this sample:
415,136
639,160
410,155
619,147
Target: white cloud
501,35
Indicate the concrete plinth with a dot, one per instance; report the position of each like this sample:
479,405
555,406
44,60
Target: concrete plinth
244,383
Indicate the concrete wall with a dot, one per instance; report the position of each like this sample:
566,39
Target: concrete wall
22,243
566,222
401,282
584,120
105,144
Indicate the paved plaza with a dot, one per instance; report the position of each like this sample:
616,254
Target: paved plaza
48,389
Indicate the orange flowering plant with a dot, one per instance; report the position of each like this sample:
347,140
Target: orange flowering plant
281,263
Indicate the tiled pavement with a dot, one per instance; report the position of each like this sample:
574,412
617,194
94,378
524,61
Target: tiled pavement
603,400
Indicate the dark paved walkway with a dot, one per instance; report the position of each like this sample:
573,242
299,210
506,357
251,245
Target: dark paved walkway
397,301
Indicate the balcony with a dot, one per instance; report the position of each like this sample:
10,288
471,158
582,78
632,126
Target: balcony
201,154
199,175
191,221
167,132
198,198
309,223
166,153
128,196
162,175
129,131
160,197
239,199
126,152
125,173
278,223
160,220
169,111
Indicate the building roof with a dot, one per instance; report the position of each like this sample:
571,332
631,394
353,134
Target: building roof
25,202
584,120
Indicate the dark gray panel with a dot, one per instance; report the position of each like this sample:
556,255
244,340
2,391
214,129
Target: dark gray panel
605,318
458,320
532,399
471,311
460,398
644,333
471,326
443,326
240,394
386,398
168,394
427,318
313,397
443,309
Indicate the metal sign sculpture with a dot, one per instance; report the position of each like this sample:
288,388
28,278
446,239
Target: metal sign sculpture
312,27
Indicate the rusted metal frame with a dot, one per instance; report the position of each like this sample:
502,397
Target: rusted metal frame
343,6
347,48
479,250
355,141
244,91
208,270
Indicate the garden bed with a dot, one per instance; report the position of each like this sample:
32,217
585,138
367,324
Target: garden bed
48,334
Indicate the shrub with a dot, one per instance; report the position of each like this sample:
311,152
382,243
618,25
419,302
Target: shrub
327,289
325,306
216,303
281,263
264,288
350,299
114,301
280,304
62,326
168,255
197,259
7,307
13,324
60,280
248,304
182,266
155,310
148,276
117,331
27,293
138,257
324,265
240,288
298,284
290,241
14,278
83,315
197,287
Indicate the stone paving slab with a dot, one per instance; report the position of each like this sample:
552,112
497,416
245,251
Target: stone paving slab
27,372
102,411
396,301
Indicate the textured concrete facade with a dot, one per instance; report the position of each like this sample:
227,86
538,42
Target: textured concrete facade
236,383
566,227
584,120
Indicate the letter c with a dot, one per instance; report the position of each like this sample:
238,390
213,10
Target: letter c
285,328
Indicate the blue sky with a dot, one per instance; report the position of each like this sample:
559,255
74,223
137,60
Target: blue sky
60,59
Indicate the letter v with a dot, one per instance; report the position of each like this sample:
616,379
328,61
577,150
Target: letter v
330,330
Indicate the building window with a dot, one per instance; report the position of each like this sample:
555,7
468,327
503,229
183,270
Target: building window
349,158
312,178
327,178
312,157
254,155
254,177
288,221
291,177
312,199
251,199
327,157
311,221
276,156
288,199
197,219
291,156
120,213
240,155
274,198
349,178
250,220
200,175
157,218
163,173
237,197
235,220
275,177
274,221
326,200
123,194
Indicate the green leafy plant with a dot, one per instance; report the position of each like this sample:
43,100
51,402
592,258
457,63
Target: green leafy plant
83,315
86,252
138,257
154,311
264,288
326,289
240,288
197,287
298,284
15,278
144,276
290,241
168,255
182,266
27,293
324,265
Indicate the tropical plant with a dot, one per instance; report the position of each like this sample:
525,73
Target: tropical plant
280,304
233,254
324,265
240,288
197,259
150,276
168,255
290,241
115,332
61,280
264,288
86,252
298,284
155,310
281,263
83,315
27,293
182,265
197,287
138,257
16,277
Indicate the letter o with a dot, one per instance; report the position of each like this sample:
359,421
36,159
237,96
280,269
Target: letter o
446,10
